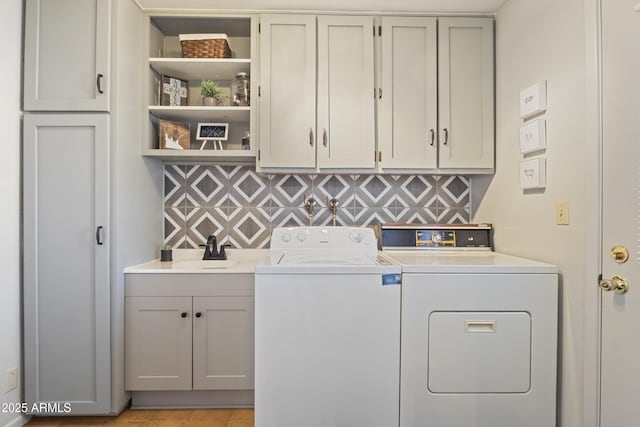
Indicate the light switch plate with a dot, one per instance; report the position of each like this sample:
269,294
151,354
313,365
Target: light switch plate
533,136
562,212
533,100
533,173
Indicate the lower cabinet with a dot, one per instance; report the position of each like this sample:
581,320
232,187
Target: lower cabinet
189,343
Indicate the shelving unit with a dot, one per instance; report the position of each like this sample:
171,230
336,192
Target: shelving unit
165,58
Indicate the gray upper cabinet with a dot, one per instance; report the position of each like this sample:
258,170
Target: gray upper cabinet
408,102
436,109
466,93
317,108
346,104
287,91
67,55
66,261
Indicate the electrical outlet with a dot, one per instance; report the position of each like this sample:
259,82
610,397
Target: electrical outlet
562,212
12,379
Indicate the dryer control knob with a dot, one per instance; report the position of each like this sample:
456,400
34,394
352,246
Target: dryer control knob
286,237
302,237
356,236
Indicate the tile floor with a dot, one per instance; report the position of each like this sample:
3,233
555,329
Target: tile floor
157,418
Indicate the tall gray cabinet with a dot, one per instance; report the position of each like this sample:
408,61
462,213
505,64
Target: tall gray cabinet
66,260
89,199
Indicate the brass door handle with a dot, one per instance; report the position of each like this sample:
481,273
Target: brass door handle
617,284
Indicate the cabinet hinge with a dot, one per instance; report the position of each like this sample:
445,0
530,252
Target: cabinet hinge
380,30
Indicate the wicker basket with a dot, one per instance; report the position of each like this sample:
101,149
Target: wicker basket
205,46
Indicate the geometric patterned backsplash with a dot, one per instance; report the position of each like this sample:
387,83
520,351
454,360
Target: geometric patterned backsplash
241,207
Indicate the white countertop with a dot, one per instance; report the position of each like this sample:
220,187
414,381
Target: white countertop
190,261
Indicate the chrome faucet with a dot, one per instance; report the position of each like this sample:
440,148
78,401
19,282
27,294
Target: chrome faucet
333,207
309,205
211,249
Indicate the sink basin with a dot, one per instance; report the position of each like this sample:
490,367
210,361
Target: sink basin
201,264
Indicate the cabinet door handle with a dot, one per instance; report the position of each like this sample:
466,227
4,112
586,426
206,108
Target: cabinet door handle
311,137
99,235
99,83
183,314
433,137
324,137
198,314
446,136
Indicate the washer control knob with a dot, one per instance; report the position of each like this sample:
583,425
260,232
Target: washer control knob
436,238
356,236
286,237
302,237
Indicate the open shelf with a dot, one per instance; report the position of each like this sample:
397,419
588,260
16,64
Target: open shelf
198,69
202,114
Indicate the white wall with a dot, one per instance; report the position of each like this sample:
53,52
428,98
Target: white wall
10,74
544,40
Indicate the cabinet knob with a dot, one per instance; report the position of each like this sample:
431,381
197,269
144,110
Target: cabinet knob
183,314
198,314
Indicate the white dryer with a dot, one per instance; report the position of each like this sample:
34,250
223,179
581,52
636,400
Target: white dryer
478,331
327,331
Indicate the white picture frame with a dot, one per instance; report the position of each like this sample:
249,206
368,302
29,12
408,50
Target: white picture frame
533,136
533,100
533,173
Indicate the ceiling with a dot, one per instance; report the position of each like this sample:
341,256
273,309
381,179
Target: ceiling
425,6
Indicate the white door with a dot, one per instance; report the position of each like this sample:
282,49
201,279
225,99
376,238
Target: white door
620,352
346,103
287,91
408,103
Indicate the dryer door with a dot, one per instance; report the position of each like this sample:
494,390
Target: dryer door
479,352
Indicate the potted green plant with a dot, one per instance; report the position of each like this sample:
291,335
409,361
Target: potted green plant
166,254
212,93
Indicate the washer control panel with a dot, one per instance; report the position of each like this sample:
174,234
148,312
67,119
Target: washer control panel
436,236
323,237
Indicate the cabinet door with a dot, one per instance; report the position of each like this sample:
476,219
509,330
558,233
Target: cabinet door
66,261
465,88
408,106
66,49
158,343
223,343
287,91
346,102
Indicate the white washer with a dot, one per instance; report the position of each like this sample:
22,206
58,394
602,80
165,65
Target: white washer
327,331
478,332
